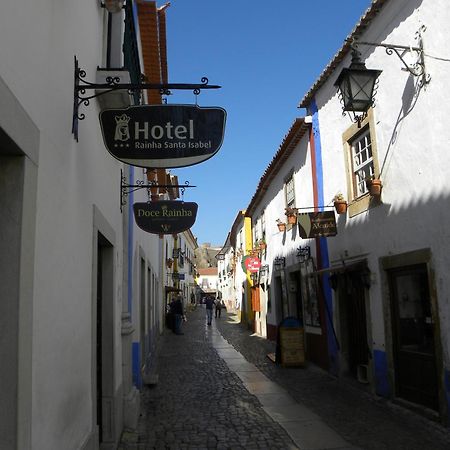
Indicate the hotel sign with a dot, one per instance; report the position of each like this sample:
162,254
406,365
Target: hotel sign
163,136
165,216
317,224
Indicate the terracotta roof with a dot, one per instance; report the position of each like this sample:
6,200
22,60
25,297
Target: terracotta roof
363,23
207,271
290,141
152,27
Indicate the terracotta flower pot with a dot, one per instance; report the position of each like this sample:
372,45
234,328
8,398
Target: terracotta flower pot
374,187
292,219
341,206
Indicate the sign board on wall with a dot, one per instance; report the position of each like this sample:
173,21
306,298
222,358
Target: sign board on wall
252,264
317,224
163,136
165,216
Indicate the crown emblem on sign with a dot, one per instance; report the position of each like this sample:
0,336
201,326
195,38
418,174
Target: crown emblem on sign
122,131
122,120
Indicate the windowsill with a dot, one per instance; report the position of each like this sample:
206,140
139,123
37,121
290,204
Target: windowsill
362,204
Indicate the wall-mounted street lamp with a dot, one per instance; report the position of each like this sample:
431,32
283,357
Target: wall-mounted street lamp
356,84
112,6
279,263
304,253
176,253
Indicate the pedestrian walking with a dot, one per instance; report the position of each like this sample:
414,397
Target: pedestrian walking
178,313
218,308
209,308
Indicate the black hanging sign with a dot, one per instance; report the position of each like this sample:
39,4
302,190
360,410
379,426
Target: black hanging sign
317,224
165,216
163,136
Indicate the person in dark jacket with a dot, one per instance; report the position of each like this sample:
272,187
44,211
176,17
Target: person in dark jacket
178,312
209,309
218,308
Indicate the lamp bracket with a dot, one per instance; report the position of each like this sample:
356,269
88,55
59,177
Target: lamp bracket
126,189
113,84
418,68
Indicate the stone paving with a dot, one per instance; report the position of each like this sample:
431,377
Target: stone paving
200,402
363,419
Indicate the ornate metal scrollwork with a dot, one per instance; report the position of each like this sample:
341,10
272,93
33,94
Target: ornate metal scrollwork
81,85
126,189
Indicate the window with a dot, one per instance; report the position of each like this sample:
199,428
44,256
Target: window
263,225
360,152
362,162
290,193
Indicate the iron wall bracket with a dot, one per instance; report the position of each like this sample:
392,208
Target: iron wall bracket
126,189
417,69
113,84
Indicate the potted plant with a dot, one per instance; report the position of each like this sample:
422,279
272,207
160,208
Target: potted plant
374,186
281,225
340,203
291,214
262,244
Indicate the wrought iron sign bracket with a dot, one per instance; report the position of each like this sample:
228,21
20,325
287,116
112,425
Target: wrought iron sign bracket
113,83
418,68
126,189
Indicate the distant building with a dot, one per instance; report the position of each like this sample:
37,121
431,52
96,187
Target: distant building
207,281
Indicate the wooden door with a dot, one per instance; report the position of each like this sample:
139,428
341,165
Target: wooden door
413,333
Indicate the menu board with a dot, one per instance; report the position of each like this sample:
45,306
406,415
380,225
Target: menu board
292,345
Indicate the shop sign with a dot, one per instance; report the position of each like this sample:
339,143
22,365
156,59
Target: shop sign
165,216
252,264
177,276
163,136
317,224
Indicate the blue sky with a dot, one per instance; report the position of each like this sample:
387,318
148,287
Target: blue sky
265,55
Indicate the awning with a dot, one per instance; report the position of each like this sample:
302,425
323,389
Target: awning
340,269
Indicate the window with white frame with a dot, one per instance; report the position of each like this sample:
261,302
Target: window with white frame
362,162
263,225
290,192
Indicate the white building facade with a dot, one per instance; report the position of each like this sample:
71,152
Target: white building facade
82,288
390,282
373,299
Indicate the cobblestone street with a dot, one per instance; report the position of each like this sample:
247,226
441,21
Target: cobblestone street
201,402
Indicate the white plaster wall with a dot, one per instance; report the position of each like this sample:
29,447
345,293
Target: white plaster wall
39,41
240,275
273,203
412,148
150,245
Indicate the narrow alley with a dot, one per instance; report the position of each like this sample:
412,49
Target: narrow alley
217,389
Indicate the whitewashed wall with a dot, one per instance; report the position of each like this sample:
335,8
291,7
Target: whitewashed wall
412,140
39,41
273,204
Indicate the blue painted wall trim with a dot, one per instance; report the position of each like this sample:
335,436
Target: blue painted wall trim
136,357
331,339
382,386
130,201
